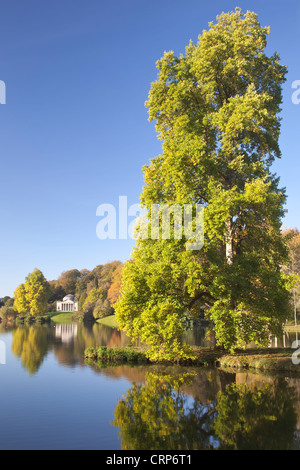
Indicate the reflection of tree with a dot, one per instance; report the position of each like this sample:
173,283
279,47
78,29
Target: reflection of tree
158,415
256,419
88,335
31,344
6,327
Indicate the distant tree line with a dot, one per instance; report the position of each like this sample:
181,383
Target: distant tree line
6,301
96,292
99,289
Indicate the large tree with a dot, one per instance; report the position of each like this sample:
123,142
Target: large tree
216,110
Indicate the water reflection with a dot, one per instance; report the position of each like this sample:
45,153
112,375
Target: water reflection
203,335
174,407
158,415
170,411
66,332
67,341
263,418
31,345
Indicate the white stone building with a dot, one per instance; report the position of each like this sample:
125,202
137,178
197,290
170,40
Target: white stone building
68,304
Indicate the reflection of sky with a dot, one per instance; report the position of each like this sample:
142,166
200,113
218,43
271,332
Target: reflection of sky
188,403
57,407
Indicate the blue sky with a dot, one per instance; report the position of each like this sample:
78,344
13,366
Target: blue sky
75,131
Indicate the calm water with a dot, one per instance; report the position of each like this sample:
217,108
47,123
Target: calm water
51,399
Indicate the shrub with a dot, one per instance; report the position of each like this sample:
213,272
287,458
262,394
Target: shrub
115,355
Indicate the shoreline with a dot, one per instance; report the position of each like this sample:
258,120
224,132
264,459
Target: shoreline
260,359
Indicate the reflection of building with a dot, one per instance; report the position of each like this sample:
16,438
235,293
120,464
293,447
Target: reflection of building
65,332
68,304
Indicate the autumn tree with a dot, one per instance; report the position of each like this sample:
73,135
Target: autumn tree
57,292
32,296
98,289
216,110
114,290
21,302
68,280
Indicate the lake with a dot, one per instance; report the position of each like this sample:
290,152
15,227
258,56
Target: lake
52,399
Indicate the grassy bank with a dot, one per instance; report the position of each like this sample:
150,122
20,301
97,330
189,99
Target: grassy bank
275,359
109,321
292,328
203,356
62,317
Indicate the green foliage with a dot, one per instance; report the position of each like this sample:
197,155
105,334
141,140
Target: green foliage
216,110
102,308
